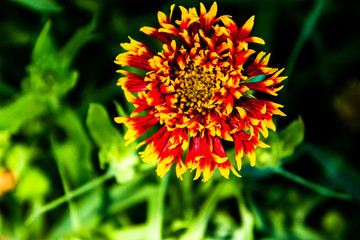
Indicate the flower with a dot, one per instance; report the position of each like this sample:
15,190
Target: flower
7,181
199,88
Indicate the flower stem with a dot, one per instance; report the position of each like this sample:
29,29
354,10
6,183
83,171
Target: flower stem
317,188
70,195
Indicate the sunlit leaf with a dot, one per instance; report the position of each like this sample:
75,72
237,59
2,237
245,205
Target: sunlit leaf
32,185
112,148
5,142
44,44
100,126
18,159
20,111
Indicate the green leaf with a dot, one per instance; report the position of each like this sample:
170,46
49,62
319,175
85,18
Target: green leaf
18,159
82,36
156,210
44,44
73,152
132,232
5,143
316,187
307,28
112,147
22,110
337,168
292,136
197,227
49,72
44,6
34,184
100,126
281,144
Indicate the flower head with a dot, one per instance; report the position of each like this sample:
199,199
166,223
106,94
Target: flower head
199,88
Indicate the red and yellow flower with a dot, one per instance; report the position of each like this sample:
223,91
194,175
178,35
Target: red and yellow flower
199,88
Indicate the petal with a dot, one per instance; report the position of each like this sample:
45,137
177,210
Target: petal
246,28
136,126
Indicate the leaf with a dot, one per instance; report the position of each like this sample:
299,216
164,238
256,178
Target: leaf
44,44
337,168
82,36
292,136
101,127
32,185
18,158
133,232
197,227
311,185
282,144
156,210
44,6
72,150
49,73
22,110
112,147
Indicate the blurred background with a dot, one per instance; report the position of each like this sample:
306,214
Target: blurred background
64,170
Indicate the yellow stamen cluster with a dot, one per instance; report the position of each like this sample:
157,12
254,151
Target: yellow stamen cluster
196,88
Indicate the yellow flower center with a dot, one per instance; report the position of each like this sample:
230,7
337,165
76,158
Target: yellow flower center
196,88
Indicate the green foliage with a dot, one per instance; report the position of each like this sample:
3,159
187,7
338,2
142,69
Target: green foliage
283,144
76,180
45,6
23,109
33,185
112,146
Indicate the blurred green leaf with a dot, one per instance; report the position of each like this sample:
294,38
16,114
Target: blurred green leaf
337,168
33,184
72,147
20,111
49,72
246,230
82,36
197,227
134,232
5,142
112,147
44,6
44,44
282,144
100,126
46,74
307,28
18,159
316,187
156,210
292,136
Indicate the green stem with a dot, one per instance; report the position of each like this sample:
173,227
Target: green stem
156,210
317,188
70,195
306,30
197,227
